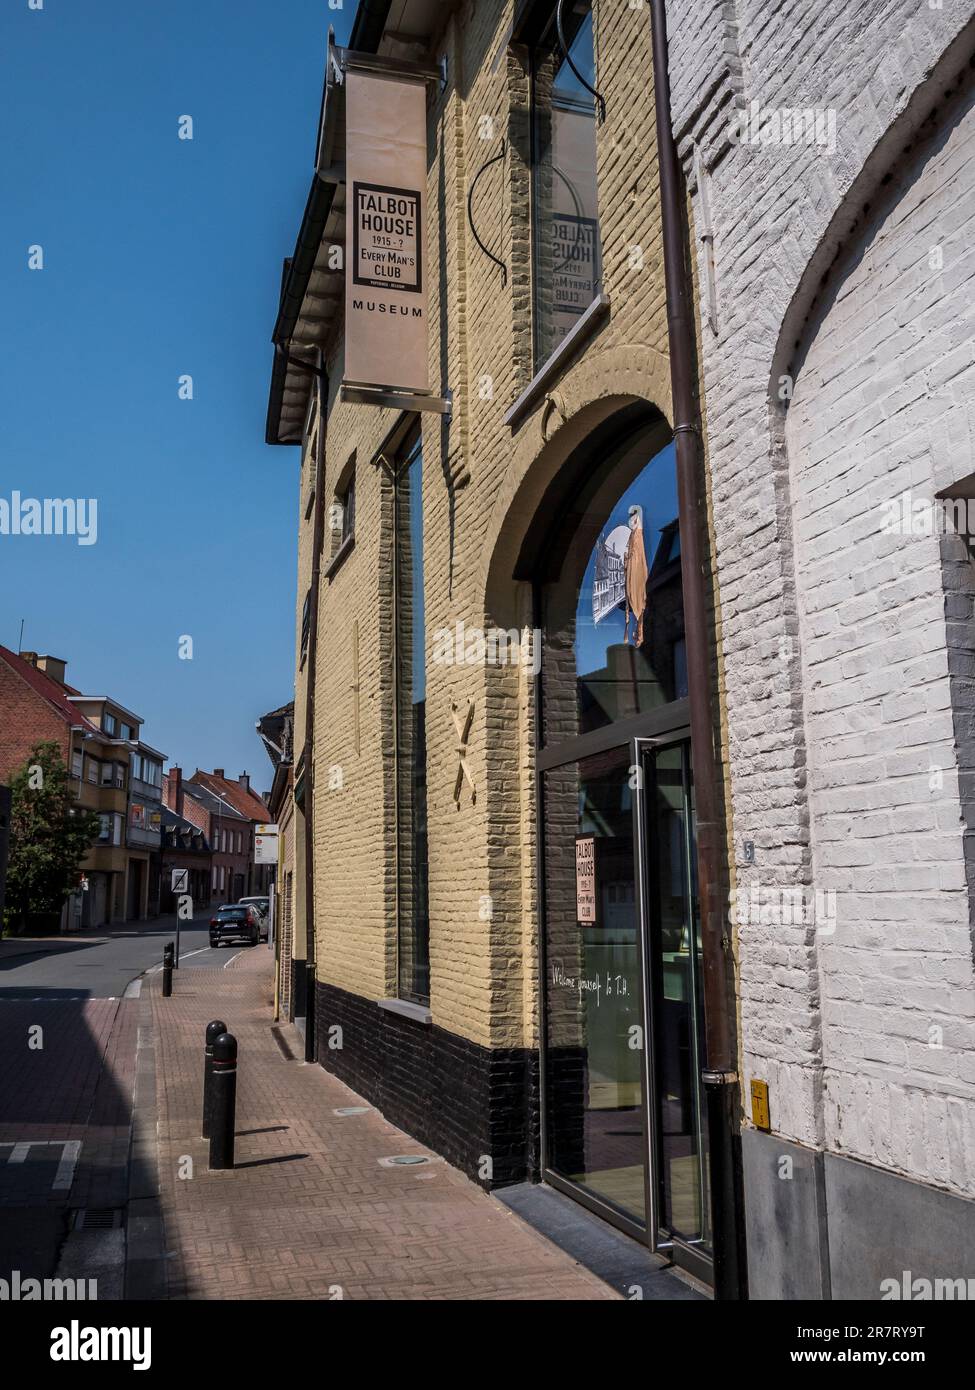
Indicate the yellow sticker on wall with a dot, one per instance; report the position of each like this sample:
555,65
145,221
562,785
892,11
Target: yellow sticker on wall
760,1115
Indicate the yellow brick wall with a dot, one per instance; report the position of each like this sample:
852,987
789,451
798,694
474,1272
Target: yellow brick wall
482,482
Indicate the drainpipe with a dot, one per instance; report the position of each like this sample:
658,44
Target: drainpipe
719,1076
318,527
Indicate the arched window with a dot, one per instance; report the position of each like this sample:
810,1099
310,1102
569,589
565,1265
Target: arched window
620,950
613,621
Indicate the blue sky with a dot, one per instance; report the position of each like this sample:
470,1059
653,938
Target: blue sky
162,257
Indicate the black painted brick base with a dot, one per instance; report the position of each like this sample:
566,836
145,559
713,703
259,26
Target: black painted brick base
462,1100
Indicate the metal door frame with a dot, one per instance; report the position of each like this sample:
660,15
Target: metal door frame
683,1253
666,725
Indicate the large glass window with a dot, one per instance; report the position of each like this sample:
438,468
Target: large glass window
567,260
622,943
594,1018
614,624
411,735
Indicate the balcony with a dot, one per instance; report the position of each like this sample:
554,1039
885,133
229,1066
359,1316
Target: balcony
93,796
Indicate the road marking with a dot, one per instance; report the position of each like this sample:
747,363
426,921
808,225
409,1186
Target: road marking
232,959
65,1174
70,1153
133,990
183,955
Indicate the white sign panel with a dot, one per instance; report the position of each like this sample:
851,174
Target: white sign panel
181,880
386,274
265,844
585,878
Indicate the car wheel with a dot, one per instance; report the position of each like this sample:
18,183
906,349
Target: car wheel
213,943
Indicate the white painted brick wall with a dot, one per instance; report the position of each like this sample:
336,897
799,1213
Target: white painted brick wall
831,735
873,396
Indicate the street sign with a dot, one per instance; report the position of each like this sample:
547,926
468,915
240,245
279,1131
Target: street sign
265,844
181,880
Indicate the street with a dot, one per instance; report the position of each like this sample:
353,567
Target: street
68,1038
99,1128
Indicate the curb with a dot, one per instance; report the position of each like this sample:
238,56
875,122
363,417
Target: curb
145,1245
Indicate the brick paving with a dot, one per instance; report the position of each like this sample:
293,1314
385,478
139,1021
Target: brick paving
66,1106
309,1211
76,1086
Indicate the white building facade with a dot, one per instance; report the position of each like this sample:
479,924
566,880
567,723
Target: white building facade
830,156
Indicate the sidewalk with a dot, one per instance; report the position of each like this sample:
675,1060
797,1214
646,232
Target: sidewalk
309,1211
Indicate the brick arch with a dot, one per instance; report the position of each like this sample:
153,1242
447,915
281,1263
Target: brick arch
906,123
605,383
594,395
884,653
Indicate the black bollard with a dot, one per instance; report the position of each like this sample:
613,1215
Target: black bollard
167,970
223,1088
213,1032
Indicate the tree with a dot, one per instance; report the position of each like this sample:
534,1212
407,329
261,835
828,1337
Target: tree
50,834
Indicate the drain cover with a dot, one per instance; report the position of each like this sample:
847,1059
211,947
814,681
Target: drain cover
352,1110
98,1219
405,1160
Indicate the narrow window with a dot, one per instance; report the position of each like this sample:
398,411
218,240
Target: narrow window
567,254
305,624
411,739
347,501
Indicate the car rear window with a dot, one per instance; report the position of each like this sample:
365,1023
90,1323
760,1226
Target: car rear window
231,914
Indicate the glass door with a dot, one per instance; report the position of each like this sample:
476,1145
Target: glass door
622,1100
674,961
595,1089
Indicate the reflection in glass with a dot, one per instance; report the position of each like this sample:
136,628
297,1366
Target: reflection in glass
678,996
567,250
614,629
593,1039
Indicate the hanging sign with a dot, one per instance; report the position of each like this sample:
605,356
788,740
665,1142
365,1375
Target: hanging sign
265,844
386,271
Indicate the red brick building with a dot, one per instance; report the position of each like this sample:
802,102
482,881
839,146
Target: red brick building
229,834
184,846
113,772
35,707
239,796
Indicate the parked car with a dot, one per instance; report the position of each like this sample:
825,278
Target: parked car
263,905
235,922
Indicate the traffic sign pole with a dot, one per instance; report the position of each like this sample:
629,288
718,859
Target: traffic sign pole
180,885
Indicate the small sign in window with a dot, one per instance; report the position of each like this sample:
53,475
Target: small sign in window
586,879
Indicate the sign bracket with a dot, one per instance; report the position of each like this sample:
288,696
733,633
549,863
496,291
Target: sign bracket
391,399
